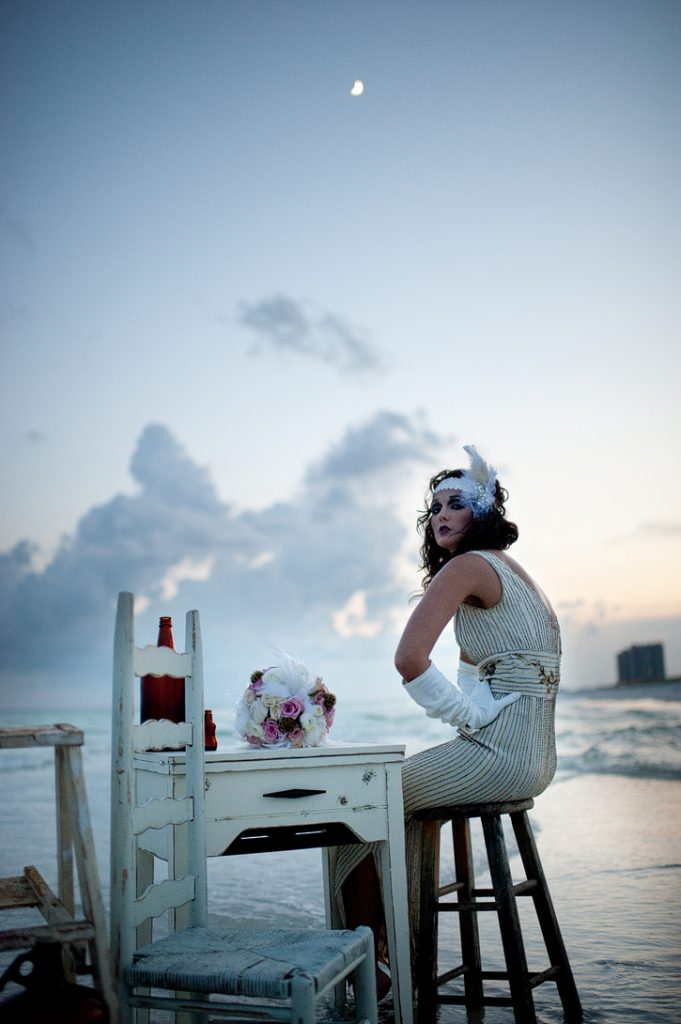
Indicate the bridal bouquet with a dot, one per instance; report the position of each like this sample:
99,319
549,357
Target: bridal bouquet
285,707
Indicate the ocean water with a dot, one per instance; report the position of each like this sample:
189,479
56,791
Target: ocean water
608,830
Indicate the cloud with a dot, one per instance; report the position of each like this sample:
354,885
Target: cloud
314,576
351,619
659,529
283,324
36,436
17,229
376,450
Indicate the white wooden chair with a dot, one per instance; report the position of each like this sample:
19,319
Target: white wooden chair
221,972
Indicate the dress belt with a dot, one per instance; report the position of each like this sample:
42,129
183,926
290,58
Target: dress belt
532,673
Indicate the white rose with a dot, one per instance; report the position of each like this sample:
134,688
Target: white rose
253,729
306,720
259,712
314,726
315,736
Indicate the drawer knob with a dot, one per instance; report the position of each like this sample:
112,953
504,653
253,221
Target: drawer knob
295,794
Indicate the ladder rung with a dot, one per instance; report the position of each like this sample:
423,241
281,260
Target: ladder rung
64,932
16,892
58,735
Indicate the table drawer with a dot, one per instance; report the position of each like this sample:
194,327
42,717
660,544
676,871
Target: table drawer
296,791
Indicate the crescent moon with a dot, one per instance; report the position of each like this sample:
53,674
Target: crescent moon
357,88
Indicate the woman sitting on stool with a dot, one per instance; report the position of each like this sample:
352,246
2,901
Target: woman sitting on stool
502,705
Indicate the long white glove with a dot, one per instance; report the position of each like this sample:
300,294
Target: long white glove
447,701
467,677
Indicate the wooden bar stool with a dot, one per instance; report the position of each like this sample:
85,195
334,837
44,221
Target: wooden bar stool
470,901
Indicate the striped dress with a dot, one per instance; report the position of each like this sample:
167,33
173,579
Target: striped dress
516,647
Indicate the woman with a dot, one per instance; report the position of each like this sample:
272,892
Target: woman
502,705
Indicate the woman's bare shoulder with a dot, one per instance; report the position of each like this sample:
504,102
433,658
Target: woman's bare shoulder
482,581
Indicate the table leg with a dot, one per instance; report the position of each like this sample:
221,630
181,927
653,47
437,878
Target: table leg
394,885
395,900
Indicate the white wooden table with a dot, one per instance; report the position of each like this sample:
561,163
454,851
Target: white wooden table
261,799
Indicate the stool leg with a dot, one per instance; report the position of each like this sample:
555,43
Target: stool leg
546,915
509,921
468,921
426,956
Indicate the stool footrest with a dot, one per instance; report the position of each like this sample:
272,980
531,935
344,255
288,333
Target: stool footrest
447,890
536,977
539,977
448,976
461,907
526,888
452,999
487,1001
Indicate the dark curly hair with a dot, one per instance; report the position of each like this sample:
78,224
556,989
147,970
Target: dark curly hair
493,531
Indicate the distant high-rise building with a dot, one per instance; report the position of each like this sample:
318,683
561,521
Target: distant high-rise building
642,663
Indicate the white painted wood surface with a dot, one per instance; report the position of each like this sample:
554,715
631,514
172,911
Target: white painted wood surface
161,734
159,813
138,830
161,661
159,898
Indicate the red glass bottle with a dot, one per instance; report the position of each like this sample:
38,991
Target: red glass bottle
163,696
210,739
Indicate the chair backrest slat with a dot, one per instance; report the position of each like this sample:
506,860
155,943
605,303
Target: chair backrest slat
163,735
161,661
159,813
162,897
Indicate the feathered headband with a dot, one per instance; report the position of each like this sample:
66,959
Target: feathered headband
476,485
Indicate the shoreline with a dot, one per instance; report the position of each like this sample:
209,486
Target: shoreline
665,689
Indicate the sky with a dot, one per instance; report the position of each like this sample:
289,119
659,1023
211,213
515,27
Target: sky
245,315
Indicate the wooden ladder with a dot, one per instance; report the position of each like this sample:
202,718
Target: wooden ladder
84,940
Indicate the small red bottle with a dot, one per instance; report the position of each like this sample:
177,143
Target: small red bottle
210,739
163,696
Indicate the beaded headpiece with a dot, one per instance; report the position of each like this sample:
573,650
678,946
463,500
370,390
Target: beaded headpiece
476,485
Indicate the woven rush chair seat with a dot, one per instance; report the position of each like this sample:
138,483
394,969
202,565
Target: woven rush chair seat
255,962
501,898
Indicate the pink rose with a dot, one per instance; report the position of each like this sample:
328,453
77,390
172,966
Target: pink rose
296,735
293,707
271,731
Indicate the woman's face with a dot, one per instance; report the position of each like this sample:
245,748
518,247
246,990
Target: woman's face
449,519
